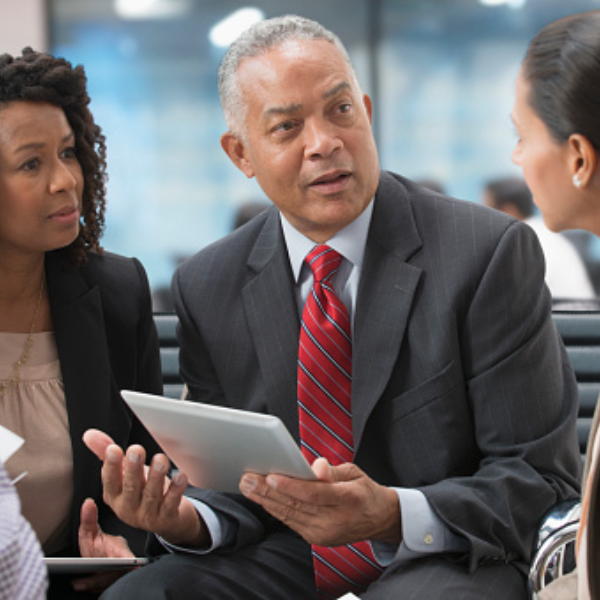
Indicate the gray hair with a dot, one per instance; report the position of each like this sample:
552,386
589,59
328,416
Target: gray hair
257,40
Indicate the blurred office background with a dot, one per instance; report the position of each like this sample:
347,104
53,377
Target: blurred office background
440,72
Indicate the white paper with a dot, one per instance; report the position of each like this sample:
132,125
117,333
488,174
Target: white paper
349,596
9,443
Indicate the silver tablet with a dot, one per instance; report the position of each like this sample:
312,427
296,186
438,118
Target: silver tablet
77,565
215,446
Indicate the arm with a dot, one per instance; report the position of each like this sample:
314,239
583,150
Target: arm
523,400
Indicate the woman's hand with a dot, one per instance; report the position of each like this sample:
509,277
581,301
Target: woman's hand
93,542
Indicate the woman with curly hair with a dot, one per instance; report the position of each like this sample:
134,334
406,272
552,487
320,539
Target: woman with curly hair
75,322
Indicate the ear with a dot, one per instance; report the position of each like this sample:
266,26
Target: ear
368,106
583,159
236,150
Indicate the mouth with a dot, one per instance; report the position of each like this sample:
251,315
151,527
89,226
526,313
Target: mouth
65,214
331,177
331,182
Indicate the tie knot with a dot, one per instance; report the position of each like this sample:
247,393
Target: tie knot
323,261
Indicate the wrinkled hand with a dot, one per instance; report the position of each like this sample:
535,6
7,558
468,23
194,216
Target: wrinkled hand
343,506
95,543
144,497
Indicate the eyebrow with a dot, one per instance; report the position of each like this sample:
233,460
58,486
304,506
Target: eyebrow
38,145
294,108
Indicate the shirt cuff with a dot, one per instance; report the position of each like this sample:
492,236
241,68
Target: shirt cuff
213,524
423,532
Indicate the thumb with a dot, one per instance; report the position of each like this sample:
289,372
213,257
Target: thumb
97,441
345,472
323,470
89,516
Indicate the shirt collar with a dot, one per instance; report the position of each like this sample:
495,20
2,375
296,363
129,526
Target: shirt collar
350,241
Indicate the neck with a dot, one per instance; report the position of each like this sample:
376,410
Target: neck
20,280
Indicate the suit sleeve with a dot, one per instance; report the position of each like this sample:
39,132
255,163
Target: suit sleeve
523,399
248,520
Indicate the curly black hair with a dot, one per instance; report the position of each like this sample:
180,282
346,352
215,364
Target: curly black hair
38,77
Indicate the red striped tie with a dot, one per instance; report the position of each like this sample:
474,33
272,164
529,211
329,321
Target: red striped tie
324,387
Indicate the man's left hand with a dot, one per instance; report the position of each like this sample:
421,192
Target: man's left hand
343,506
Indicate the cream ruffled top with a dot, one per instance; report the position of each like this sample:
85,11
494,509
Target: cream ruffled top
36,410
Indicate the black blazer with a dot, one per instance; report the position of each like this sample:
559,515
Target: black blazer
461,386
106,342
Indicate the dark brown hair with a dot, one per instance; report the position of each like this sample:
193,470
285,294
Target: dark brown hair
38,77
562,66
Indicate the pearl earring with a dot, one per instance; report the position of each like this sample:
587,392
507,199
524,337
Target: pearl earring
576,181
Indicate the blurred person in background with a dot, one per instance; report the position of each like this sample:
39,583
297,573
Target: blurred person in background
557,117
75,322
566,273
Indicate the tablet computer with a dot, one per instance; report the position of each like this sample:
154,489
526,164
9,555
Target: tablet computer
82,565
214,446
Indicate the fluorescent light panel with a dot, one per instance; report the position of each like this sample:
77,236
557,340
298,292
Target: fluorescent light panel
226,31
151,9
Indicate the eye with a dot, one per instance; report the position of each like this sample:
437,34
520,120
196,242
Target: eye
284,126
69,153
30,164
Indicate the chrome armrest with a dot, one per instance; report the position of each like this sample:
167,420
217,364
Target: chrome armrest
554,546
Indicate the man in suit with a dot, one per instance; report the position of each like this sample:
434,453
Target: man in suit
463,404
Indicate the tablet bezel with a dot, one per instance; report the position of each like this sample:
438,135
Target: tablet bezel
76,564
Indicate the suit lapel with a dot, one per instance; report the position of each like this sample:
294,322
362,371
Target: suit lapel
83,353
272,315
387,288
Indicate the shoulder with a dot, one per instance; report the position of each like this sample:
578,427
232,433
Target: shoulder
441,221
121,281
228,256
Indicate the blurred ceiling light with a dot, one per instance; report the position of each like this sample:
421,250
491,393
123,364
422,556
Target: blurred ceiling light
511,3
227,30
151,9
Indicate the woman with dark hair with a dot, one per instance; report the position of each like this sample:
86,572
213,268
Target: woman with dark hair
557,117
75,322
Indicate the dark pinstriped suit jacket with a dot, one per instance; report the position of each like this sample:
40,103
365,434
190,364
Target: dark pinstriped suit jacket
461,386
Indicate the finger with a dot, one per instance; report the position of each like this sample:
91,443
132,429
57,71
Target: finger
279,503
134,478
88,529
112,473
152,494
322,469
89,517
312,495
97,441
172,498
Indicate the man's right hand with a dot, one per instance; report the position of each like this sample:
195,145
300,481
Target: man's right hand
144,497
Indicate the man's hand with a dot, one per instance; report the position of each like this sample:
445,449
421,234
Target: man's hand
343,506
144,497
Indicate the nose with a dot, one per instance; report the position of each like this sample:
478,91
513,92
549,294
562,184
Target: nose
321,139
63,177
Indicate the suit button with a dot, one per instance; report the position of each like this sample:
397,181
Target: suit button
428,539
